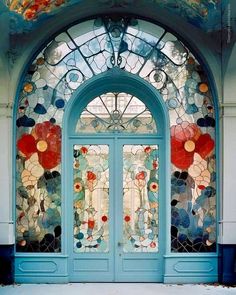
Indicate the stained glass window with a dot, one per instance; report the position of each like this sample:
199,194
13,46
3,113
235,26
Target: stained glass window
140,198
158,57
91,198
116,112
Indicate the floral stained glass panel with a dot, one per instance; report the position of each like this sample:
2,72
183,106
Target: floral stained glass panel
140,198
91,198
38,200
158,57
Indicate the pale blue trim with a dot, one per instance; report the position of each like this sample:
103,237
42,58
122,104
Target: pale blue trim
116,80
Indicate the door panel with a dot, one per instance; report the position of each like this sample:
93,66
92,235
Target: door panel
91,198
140,198
116,192
91,238
138,258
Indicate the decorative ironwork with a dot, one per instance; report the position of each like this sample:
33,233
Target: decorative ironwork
116,112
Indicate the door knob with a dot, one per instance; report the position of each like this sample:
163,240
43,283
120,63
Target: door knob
120,244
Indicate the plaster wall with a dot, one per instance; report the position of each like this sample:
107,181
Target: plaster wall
6,224
228,204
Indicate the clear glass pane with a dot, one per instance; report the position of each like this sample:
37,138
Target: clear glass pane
140,198
91,198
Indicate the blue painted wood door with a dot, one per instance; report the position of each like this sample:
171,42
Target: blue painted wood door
115,213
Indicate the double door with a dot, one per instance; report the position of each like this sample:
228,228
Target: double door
115,215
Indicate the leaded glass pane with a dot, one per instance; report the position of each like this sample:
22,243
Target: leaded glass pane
116,112
155,55
91,198
38,201
140,198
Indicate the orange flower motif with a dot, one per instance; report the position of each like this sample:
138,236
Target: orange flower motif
140,179
91,176
141,175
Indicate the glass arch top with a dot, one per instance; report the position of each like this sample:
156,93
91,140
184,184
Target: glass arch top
73,57
116,112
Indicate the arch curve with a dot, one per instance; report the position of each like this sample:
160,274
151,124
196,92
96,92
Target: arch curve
200,43
116,80
157,58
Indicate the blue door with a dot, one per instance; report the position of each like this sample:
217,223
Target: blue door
116,216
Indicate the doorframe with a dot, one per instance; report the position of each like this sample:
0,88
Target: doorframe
116,80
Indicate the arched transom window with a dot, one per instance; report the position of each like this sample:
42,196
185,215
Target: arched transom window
116,112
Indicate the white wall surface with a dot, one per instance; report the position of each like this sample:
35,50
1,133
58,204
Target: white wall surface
227,233
6,181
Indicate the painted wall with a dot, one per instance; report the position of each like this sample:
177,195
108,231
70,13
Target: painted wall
228,211
6,226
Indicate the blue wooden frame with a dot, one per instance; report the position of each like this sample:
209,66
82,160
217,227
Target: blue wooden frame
116,80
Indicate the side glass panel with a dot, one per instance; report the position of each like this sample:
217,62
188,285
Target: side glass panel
91,198
140,198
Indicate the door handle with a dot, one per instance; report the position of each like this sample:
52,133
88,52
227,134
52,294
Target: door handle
120,244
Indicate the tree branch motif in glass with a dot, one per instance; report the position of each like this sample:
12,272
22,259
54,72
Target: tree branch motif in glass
140,198
91,198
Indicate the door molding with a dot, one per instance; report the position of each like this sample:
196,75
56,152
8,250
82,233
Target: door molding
116,80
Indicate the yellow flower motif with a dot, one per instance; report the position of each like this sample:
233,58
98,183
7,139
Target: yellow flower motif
76,165
78,187
79,204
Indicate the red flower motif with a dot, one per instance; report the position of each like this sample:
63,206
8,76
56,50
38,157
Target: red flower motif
91,176
187,139
83,150
201,187
78,187
153,244
154,164
147,150
45,139
91,223
153,186
104,218
141,175
127,218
